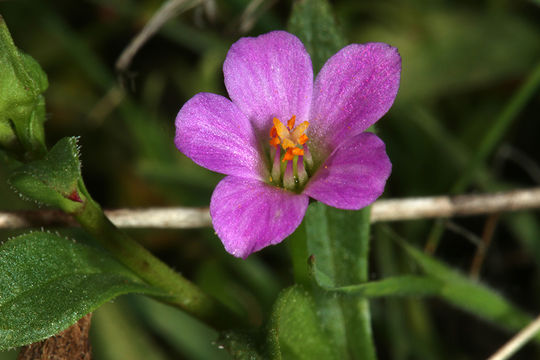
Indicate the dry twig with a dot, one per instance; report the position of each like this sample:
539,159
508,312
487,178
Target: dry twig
167,11
517,342
382,210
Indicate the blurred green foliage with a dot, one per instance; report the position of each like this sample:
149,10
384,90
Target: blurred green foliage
463,64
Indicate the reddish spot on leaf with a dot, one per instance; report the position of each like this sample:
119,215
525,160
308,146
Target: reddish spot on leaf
74,196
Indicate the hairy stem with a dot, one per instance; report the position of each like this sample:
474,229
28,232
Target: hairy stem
183,293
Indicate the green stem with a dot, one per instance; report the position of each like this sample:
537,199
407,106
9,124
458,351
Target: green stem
299,256
183,293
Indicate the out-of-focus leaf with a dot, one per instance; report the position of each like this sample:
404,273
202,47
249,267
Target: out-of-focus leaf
8,355
22,107
469,295
240,346
117,335
410,327
448,50
182,332
313,22
498,129
213,278
55,180
525,226
47,283
406,285
295,330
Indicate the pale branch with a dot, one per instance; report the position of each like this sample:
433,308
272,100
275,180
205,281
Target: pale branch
518,341
382,210
450,206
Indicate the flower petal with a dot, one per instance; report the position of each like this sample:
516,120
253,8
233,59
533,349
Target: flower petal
249,215
354,175
215,134
269,76
353,90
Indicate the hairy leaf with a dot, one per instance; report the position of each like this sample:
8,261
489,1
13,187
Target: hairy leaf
47,283
295,331
55,180
338,242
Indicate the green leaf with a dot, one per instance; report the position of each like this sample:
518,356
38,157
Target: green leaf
240,346
55,180
47,283
295,331
181,331
469,295
406,285
312,21
113,331
22,107
338,241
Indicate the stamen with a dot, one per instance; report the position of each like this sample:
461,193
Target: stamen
292,140
276,167
287,143
300,130
288,177
280,129
290,123
307,158
288,155
275,141
301,173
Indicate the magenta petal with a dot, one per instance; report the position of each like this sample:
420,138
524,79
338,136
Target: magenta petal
354,175
215,134
269,76
249,215
353,90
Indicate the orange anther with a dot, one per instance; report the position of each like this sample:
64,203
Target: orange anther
274,141
281,130
290,137
300,129
287,143
290,123
288,155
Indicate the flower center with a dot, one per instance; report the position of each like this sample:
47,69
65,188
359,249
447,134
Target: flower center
291,175
290,139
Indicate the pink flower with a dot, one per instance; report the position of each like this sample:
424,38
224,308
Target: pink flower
283,138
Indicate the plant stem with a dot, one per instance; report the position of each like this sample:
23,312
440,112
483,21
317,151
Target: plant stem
183,293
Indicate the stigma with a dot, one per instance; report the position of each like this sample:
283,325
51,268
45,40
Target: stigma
290,138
